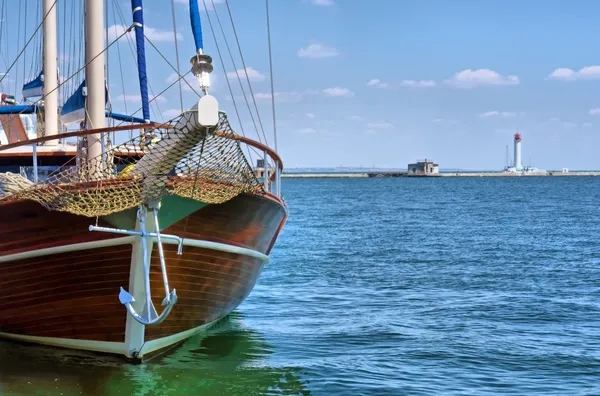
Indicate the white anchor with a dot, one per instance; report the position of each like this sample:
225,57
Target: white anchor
149,315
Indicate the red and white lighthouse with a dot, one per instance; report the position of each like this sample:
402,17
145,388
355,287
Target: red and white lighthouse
518,165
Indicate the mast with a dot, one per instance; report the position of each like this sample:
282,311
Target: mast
94,79
138,22
50,77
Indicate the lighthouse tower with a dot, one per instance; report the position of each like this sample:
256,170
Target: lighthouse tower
518,164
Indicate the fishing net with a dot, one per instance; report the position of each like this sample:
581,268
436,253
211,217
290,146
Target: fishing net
191,162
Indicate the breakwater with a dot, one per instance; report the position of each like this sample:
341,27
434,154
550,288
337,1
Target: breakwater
448,174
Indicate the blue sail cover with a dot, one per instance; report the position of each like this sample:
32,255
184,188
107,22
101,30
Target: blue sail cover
35,87
196,25
33,109
73,110
138,22
20,109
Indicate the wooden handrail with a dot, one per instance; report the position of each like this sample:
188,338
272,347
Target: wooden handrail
272,153
88,132
85,132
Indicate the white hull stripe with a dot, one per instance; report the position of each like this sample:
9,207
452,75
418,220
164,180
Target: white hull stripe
160,343
87,345
67,248
222,247
117,348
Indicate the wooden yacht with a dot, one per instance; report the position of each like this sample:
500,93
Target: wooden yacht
128,248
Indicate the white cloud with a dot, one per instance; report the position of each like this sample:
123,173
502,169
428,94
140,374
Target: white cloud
115,31
379,125
586,125
495,113
292,96
253,74
445,122
377,83
138,99
317,51
595,111
171,113
337,91
325,122
566,74
306,130
355,118
418,84
191,80
209,4
323,2
296,96
160,35
309,115
469,78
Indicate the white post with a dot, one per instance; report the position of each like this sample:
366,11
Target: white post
35,163
277,180
94,78
50,70
266,170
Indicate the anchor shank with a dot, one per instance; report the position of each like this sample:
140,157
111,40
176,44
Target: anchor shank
144,241
161,255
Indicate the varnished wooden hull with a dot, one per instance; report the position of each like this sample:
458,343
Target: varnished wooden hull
72,295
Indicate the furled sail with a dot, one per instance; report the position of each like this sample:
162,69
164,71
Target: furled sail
34,87
73,110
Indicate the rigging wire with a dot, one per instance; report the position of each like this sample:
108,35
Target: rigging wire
4,30
106,64
3,19
63,55
245,68
24,37
229,84
233,63
171,65
177,52
133,54
18,43
271,73
157,96
37,102
28,41
121,71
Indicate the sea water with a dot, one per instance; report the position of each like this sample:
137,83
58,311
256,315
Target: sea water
435,286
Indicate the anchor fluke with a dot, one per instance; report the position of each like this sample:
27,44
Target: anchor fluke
125,297
170,298
149,315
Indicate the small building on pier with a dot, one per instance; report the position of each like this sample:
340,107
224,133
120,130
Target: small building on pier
423,168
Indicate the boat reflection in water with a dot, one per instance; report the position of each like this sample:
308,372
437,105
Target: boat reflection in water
230,359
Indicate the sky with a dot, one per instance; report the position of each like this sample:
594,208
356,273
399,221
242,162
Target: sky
380,83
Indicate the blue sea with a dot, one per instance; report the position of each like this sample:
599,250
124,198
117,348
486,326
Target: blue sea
429,286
